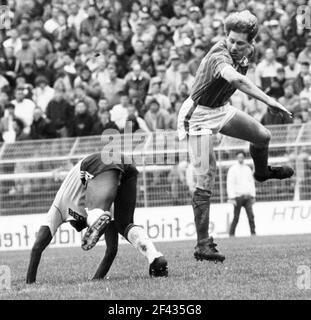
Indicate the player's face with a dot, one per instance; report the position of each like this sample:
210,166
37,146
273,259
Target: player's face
238,45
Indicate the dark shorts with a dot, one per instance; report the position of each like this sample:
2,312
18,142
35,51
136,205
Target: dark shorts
93,165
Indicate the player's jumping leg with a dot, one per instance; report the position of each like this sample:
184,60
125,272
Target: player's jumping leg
243,126
205,172
100,194
125,204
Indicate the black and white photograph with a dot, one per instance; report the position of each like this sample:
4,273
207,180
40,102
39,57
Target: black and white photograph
155,151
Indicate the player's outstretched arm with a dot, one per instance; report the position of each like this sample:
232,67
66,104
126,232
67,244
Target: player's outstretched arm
43,240
112,241
244,84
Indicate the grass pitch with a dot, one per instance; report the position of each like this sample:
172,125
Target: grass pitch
255,268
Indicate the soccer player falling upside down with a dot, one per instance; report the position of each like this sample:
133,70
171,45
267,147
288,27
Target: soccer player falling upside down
207,111
85,199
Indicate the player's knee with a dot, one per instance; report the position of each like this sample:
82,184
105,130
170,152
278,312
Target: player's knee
265,136
201,195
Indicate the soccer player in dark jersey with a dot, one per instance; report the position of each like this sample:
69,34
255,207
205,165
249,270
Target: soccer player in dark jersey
206,111
85,199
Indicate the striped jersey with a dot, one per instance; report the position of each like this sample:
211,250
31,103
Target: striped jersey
209,88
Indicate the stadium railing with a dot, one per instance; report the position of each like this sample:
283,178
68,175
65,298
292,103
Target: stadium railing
32,171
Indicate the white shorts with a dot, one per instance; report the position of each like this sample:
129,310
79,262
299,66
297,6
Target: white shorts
203,120
69,202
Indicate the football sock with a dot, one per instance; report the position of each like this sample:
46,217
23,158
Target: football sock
138,238
201,209
260,158
94,215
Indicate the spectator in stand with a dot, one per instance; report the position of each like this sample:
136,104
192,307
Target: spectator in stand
282,54
42,69
157,18
241,192
103,104
91,86
194,17
4,101
184,78
19,128
149,29
185,53
305,54
199,52
7,127
41,127
59,111
28,73
13,41
8,65
104,123
39,44
119,112
305,110
26,55
265,42
138,40
112,86
3,83
276,89
76,16
24,108
155,118
292,68
290,100
92,24
172,73
184,92
138,81
42,93
306,92
160,73
304,71
82,123
80,95
51,24
266,70
155,93
134,122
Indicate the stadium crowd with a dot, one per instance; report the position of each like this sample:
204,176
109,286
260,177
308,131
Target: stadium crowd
78,67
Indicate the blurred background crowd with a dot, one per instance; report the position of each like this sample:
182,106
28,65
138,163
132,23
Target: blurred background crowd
73,68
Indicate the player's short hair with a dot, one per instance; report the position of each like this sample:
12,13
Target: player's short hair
242,22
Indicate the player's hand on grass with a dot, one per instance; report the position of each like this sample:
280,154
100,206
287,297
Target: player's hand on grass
276,108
